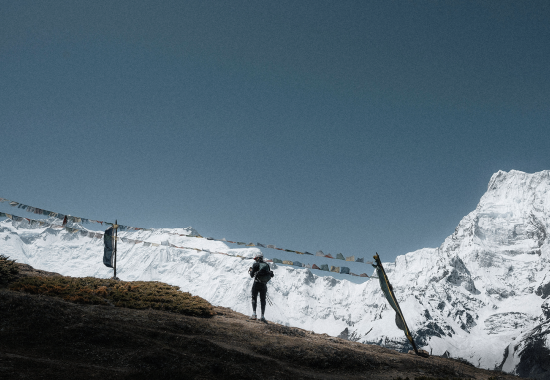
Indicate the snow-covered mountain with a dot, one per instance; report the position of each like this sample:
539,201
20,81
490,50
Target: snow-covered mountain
482,295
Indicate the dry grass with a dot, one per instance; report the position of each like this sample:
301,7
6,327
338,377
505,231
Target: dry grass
133,295
87,338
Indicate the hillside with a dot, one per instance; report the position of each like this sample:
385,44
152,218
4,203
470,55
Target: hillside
47,337
482,295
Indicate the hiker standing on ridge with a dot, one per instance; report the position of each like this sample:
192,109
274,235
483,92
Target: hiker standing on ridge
261,273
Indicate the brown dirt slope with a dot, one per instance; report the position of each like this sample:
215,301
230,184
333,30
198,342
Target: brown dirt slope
44,337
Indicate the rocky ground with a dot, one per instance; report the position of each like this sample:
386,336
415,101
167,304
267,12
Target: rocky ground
43,337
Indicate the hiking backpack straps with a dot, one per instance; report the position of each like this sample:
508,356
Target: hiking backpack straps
264,273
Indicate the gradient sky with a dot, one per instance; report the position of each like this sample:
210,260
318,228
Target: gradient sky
346,126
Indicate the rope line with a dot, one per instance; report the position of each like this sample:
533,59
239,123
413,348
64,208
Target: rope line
76,219
99,235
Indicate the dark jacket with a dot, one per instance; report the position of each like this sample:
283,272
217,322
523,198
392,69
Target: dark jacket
255,268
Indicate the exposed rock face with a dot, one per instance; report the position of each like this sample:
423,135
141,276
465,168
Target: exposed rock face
477,296
529,356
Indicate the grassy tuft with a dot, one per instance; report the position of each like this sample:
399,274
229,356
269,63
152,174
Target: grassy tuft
8,270
132,295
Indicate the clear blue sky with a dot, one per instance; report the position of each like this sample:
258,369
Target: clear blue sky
346,126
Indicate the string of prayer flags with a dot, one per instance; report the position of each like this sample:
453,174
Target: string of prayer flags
325,267
79,220
108,245
105,237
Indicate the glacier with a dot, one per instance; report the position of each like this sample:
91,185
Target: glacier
481,296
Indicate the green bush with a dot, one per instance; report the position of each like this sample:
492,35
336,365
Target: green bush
133,295
8,270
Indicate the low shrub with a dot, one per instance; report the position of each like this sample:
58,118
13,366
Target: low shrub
8,270
133,295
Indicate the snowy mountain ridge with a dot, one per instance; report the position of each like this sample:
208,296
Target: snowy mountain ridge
482,295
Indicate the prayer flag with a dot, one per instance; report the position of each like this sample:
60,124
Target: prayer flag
320,253
297,263
360,260
260,245
350,258
324,267
329,256
335,269
387,289
271,246
108,248
344,270
340,256
307,253
250,245
315,267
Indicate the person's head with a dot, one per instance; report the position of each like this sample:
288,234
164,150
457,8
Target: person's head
259,257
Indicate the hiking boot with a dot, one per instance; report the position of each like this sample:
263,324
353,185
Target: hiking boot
263,319
253,317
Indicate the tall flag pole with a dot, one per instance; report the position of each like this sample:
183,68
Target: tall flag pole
387,289
116,238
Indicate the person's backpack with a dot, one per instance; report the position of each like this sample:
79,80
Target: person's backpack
264,274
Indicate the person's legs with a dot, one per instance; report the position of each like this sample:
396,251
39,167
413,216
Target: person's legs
263,293
254,299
